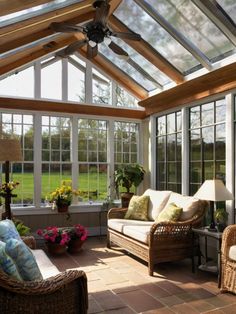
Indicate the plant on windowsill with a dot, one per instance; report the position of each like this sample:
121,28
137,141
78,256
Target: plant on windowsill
63,195
6,191
221,217
127,176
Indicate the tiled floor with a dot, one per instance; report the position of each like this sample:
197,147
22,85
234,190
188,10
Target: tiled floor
118,283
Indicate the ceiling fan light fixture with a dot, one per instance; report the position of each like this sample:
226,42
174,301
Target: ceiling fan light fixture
107,40
92,43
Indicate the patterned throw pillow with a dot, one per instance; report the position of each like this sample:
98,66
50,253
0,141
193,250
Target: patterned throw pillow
8,230
138,208
7,265
24,260
170,213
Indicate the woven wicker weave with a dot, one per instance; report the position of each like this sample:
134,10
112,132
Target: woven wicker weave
228,266
167,241
64,293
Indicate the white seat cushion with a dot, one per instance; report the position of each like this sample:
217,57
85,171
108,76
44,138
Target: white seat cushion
232,252
119,224
157,202
136,232
189,204
47,268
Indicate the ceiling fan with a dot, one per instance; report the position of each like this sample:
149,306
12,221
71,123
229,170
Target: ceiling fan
96,32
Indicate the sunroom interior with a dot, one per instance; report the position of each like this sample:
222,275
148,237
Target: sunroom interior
166,101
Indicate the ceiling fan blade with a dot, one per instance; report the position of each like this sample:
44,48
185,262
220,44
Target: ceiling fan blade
71,48
102,11
66,28
118,50
132,36
92,51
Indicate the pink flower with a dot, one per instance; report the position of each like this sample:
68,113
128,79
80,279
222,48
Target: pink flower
39,232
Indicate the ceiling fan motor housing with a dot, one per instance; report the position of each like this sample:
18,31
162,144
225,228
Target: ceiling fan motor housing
96,32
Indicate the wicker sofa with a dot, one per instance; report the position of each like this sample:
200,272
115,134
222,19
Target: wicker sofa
58,292
157,242
228,260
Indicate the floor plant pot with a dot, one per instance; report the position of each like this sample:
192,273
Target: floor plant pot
74,245
125,199
56,248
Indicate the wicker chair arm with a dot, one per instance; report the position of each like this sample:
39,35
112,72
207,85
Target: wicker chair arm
46,286
228,239
116,213
168,228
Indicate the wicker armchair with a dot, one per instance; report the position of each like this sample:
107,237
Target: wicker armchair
63,293
167,241
228,266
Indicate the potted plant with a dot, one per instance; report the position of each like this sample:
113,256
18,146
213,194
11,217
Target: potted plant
56,239
78,234
128,176
62,196
221,217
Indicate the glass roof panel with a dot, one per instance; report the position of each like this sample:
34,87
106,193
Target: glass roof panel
126,67
194,25
155,35
230,8
159,76
35,11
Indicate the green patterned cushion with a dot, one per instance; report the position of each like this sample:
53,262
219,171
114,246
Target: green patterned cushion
138,208
7,265
170,213
8,230
24,260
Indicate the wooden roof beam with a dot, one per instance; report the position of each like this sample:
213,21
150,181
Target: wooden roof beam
212,83
56,106
8,7
148,52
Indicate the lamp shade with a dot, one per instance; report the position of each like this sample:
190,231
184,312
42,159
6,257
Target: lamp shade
10,150
214,190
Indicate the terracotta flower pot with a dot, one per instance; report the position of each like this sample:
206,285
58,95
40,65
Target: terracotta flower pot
56,248
62,208
74,245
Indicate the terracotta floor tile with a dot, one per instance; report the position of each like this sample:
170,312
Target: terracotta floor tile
230,309
217,311
164,310
140,301
108,300
94,306
184,308
170,287
154,290
171,300
201,306
217,302
124,310
110,277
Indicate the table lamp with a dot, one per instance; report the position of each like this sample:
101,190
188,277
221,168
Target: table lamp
213,191
10,150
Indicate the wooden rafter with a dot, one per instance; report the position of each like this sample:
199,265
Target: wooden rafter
43,105
8,7
212,83
148,52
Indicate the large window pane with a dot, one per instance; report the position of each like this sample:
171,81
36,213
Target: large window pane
51,81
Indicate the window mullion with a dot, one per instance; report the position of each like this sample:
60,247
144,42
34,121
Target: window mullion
37,159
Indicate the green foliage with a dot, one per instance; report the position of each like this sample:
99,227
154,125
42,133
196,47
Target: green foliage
21,228
128,175
221,215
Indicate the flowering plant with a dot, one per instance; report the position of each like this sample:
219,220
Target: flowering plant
78,232
55,235
7,188
63,195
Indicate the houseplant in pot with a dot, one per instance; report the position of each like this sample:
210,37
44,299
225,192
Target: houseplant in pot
221,217
78,234
128,176
63,195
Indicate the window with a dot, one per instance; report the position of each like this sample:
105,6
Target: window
76,79
125,143
101,88
51,80
124,99
19,84
20,126
168,143
92,159
207,143
56,152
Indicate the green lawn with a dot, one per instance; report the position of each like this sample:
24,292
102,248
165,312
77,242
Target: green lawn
26,187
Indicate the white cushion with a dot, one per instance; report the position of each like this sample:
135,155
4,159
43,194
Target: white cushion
189,204
232,252
118,224
47,268
139,233
157,202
